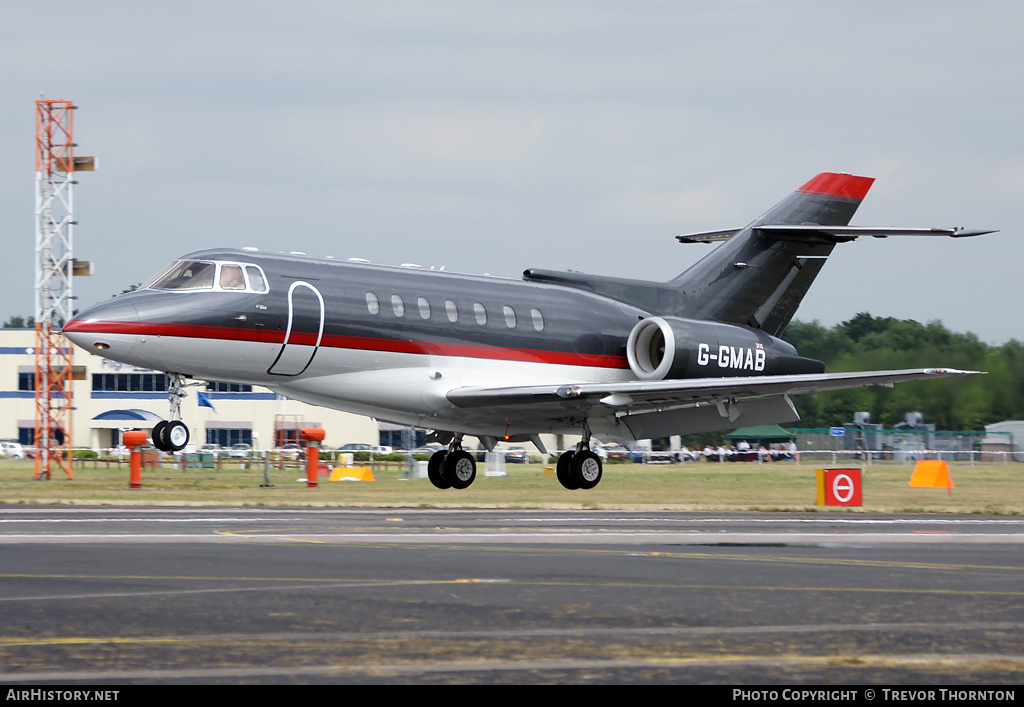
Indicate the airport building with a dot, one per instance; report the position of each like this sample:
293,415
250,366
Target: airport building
113,397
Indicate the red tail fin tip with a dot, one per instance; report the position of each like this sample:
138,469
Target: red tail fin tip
845,186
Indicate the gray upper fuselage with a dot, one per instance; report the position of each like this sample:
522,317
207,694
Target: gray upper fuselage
569,325
524,321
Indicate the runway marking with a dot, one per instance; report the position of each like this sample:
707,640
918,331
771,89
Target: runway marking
470,634
293,585
823,519
575,536
311,584
583,517
1008,664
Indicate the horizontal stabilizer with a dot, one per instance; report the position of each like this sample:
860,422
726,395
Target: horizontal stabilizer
709,236
804,231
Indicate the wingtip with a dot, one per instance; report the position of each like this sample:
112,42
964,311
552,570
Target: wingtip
953,372
968,232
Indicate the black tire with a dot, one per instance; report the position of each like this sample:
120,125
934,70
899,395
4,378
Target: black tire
563,471
435,470
460,469
586,469
159,441
176,435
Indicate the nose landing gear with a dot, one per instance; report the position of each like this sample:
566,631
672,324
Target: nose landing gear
172,435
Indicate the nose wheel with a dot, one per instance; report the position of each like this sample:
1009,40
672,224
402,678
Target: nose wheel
170,436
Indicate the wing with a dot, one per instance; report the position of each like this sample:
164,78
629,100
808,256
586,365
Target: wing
660,408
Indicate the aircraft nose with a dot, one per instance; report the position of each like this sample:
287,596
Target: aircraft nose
110,329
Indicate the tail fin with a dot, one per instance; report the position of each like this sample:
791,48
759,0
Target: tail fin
758,279
760,275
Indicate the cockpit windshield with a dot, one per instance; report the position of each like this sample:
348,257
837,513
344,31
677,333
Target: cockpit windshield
203,275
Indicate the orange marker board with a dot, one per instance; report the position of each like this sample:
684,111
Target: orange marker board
932,473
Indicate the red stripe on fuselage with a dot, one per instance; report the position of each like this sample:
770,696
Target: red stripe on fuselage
349,342
845,186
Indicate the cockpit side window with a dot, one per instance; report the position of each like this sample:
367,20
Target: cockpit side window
231,277
203,275
256,280
187,275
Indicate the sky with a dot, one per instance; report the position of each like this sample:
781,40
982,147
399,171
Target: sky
493,136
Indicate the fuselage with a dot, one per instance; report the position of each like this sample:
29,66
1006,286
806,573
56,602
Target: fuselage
379,340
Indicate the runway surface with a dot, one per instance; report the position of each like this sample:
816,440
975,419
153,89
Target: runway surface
119,595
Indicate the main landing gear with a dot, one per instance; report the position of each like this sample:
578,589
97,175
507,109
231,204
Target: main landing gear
172,435
452,468
579,468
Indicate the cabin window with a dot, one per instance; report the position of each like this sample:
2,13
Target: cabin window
372,303
231,278
424,306
257,282
481,313
538,319
398,305
452,309
510,317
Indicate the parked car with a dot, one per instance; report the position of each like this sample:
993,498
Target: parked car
240,450
513,455
213,449
355,447
291,451
12,450
516,455
426,450
618,452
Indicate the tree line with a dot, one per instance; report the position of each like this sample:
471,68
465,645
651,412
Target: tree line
884,343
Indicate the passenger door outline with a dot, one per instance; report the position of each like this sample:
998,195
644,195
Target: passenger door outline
293,360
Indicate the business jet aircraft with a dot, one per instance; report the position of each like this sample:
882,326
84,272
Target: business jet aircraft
555,352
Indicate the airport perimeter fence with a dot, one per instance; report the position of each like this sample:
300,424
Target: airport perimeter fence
256,461
814,446
906,446
860,456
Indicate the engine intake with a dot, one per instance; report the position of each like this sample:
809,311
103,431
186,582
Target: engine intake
671,347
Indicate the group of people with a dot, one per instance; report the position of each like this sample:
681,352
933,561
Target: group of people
744,452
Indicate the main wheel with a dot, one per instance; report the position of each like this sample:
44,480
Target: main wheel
563,471
460,469
175,435
585,469
435,470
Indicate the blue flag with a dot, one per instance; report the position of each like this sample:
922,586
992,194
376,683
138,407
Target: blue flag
204,402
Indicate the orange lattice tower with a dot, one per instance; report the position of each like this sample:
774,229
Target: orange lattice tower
55,169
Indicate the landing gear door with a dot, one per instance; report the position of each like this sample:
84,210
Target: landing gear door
304,331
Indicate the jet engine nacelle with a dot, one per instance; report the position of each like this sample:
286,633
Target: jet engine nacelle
672,347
